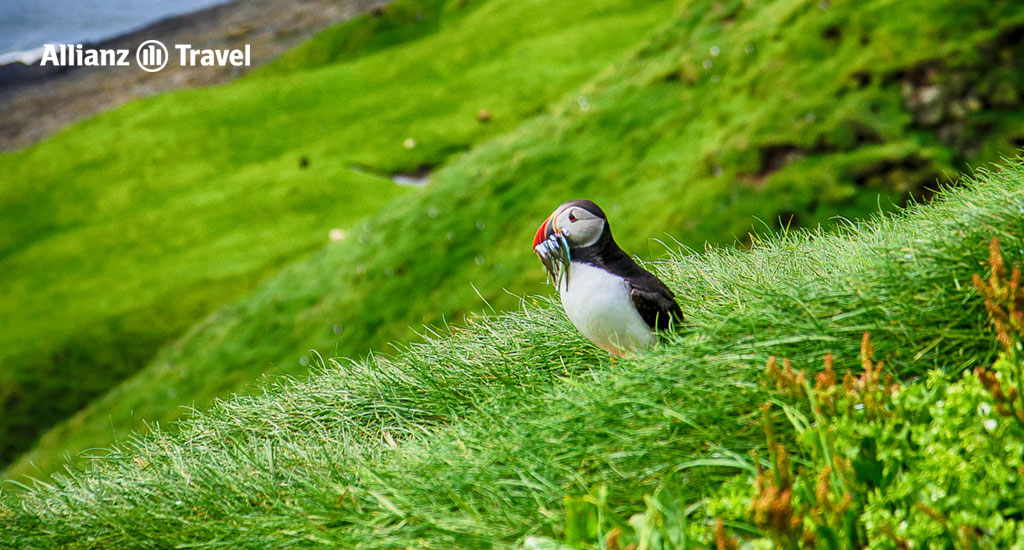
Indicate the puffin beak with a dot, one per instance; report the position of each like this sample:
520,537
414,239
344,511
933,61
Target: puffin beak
552,247
543,232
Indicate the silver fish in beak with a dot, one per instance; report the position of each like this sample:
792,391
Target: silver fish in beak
553,252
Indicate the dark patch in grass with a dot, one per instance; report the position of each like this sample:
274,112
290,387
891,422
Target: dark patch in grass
918,75
787,220
674,75
727,12
861,78
416,176
908,176
1010,38
832,33
774,157
955,101
864,134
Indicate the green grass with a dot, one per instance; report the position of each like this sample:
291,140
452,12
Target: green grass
861,461
121,232
472,439
804,114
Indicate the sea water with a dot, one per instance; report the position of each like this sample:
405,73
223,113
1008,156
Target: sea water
25,25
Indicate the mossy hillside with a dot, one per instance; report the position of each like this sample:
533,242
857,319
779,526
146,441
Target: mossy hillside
124,230
804,114
473,439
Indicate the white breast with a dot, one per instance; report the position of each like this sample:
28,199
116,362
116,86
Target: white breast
598,303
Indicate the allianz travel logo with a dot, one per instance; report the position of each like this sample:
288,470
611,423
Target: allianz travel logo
151,56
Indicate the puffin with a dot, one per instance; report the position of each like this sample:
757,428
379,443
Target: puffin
612,301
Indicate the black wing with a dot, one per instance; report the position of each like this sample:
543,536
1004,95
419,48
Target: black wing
656,306
651,297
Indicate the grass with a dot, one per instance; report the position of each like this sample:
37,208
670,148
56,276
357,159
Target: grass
472,439
124,230
802,115
863,462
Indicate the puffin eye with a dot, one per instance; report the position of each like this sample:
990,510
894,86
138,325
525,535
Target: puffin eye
572,217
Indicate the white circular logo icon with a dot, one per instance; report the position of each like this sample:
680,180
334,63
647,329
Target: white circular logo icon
151,56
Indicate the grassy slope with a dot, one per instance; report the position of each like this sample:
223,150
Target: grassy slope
657,124
472,440
123,230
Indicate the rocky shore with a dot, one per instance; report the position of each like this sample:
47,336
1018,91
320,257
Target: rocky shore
36,101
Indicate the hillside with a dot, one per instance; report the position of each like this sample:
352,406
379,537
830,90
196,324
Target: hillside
474,439
788,112
124,230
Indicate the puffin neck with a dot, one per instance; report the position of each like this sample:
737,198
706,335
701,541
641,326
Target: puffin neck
598,253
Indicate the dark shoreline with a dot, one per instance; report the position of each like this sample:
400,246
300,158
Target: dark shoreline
36,101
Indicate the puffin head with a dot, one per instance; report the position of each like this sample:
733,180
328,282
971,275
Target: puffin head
581,222
572,226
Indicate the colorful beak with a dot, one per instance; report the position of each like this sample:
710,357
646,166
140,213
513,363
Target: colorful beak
552,247
543,232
